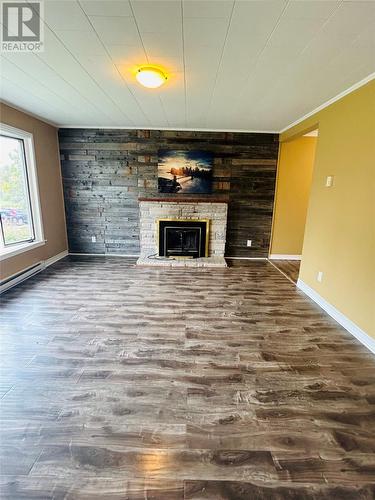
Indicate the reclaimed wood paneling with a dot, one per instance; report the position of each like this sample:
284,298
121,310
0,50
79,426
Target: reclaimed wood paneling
105,171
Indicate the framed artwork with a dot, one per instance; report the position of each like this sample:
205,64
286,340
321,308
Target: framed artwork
185,171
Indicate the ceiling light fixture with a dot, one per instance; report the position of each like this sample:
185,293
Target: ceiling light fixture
151,77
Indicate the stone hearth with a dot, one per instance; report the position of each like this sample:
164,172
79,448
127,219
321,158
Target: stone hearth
151,210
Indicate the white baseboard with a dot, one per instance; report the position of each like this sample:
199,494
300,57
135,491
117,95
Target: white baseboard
55,258
348,324
281,256
23,275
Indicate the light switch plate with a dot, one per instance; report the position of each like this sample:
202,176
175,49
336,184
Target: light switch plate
249,243
329,181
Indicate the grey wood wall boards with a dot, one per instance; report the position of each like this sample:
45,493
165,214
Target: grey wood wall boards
105,171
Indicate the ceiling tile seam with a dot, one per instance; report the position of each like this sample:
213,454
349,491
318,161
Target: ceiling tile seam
106,15
147,58
333,13
220,61
183,57
138,30
35,80
113,62
164,112
259,55
66,81
338,56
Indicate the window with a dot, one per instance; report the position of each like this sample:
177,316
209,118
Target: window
20,218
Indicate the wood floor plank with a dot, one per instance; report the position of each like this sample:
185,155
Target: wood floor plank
289,267
234,490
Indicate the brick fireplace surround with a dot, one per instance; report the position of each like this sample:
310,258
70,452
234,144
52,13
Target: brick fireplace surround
153,209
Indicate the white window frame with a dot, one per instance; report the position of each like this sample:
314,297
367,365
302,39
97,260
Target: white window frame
32,177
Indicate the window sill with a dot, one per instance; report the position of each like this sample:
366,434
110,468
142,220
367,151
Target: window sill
7,253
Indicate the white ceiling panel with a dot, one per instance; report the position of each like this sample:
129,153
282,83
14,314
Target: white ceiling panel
74,71
157,17
35,68
81,42
19,94
256,17
231,65
112,8
163,45
35,89
294,34
207,9
64,15
115,30
311,9
205,32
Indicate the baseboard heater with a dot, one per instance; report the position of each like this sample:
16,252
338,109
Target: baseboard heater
21,276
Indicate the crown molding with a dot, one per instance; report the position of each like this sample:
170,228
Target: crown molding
351,89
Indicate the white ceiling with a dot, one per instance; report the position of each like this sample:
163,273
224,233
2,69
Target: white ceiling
234,65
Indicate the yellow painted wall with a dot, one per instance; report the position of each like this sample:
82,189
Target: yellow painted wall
339,235
294,172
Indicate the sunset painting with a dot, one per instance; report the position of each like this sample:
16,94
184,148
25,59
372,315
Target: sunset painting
185,171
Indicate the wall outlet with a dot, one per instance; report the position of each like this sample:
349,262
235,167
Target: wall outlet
329,181
93,239
249,243
319,276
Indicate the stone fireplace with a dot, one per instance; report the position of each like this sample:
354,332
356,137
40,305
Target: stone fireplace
183,232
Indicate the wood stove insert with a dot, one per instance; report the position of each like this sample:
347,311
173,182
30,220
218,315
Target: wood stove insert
183,238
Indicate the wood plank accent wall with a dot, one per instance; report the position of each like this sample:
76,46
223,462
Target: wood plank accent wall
105,171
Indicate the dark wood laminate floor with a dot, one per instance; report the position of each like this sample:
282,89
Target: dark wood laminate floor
288,267
122,382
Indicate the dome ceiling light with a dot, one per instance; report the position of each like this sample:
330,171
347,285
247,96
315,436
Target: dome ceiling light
151,77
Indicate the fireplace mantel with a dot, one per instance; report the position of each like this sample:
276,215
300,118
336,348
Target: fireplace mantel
185,199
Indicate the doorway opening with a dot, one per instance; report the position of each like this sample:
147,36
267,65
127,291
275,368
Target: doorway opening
294,177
